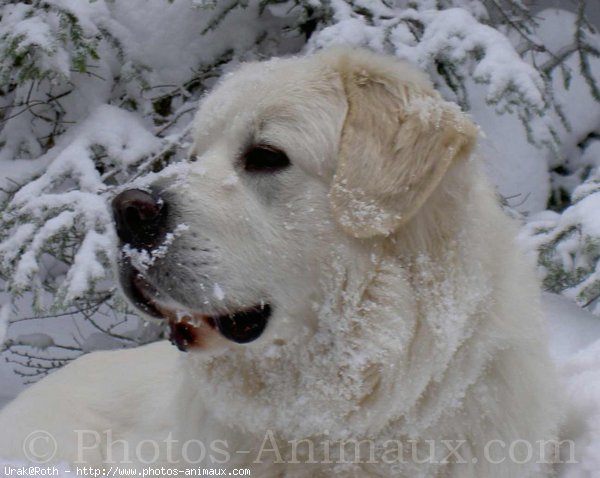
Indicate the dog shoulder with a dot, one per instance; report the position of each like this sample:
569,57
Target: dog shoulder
95,392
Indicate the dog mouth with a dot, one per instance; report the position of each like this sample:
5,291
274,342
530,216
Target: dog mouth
191,330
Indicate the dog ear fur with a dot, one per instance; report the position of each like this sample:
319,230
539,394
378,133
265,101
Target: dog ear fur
398,140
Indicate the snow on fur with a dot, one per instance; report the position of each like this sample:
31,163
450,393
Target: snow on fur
110,134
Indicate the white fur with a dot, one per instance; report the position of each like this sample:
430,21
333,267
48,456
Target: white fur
402,309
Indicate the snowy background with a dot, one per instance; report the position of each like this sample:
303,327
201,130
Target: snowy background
97,94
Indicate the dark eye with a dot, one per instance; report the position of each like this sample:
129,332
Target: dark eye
264,159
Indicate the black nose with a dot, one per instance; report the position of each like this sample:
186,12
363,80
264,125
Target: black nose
139,218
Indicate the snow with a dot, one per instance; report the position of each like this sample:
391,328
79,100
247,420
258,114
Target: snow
518,168
499,81
582,379
218,292
51,210
583,117
574,336
36,340
4,316
142,259
100,341
500,67
107,143
575,231
87,269
570,328
451,34
110,144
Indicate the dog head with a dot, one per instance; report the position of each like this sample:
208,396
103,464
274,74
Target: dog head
297,166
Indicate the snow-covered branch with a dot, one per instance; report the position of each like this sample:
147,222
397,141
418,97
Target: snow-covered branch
93,97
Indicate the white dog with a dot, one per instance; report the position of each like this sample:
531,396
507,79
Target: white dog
345,283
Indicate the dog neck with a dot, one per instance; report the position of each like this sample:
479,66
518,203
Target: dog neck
393,324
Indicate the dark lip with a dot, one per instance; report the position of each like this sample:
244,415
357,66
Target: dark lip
133,283
241,327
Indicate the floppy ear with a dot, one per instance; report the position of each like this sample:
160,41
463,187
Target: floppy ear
398,140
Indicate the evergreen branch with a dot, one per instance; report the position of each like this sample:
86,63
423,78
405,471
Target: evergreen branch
174,120
534,45
584,50
100,301
218,19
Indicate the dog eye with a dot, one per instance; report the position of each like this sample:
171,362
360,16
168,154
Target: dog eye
264,159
